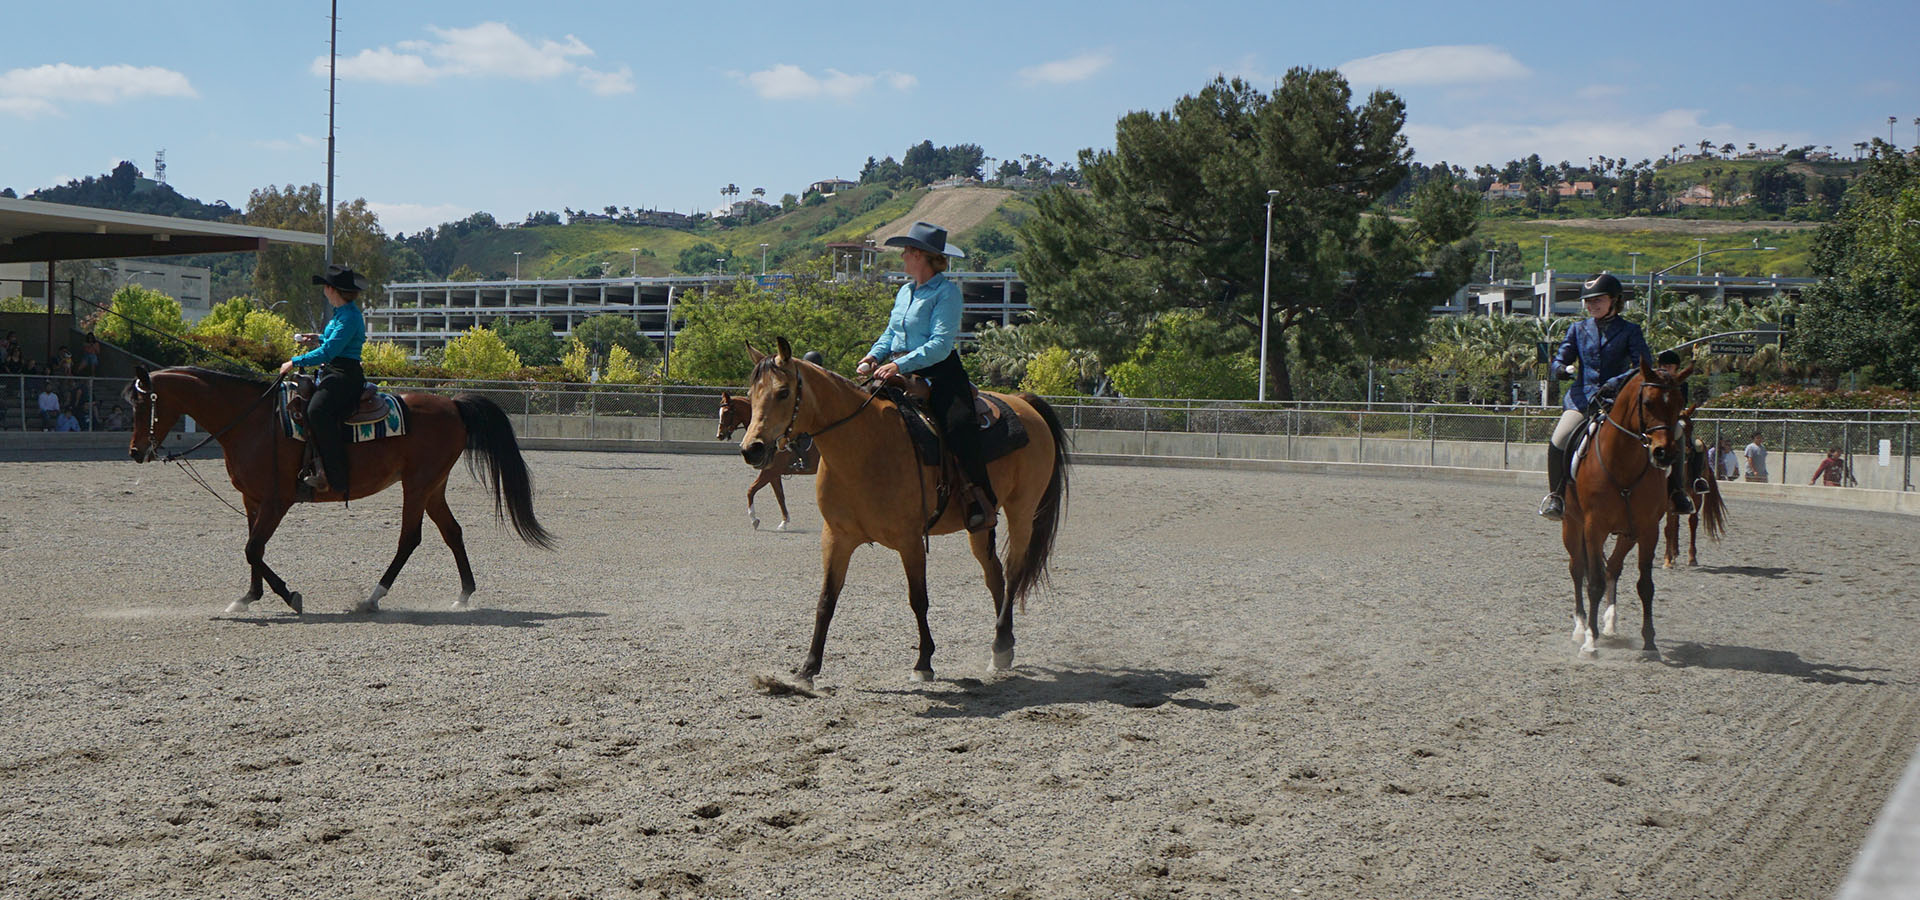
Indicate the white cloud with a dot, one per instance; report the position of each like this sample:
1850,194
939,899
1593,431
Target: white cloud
412,217
1067,71
785,81
489,49
1574,140
1600,91
41,89
296,142
1247,69
1447,64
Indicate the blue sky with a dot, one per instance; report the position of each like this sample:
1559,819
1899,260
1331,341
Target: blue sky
446,108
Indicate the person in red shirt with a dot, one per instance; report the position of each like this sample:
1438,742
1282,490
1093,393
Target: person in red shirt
1831,469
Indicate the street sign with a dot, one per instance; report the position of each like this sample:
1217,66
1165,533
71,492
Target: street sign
1731,348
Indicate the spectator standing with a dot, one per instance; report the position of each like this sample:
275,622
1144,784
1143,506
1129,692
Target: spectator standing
1724,463
1831,469
49,407
1756,454
89,363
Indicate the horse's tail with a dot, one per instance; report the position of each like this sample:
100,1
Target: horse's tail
1713,509
1046,518
490,440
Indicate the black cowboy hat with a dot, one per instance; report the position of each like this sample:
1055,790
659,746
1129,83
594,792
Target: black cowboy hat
1602,285
926,236
342,278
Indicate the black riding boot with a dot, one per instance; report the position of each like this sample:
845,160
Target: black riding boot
1553,506
1677,490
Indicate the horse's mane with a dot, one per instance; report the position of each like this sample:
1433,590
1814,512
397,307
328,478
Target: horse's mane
771,363
206,374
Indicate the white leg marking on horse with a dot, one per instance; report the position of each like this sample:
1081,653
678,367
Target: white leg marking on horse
464,601
372,603
239,606
1606,619
1587,649
751,517
1579,630
782,526
1002,661
917,675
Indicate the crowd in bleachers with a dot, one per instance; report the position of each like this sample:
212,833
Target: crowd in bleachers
56,396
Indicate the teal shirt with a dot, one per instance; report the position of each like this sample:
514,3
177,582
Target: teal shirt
344,335
923,326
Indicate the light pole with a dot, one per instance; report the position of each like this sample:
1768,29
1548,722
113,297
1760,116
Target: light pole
516,265
1546,249
1699,245
1653,278
763,259
1635,255
721,264
1490,262
635,271
1266,283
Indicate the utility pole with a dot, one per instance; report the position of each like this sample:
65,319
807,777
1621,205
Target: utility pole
333,58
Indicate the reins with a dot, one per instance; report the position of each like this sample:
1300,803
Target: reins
1644,438
186,465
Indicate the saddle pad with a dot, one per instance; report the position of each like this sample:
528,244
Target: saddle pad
394,425
1005,435
1581,439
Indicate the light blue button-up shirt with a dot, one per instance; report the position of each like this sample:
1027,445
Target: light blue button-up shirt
923,326
345,334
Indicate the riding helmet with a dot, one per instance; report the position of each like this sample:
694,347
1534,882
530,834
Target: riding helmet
1602,285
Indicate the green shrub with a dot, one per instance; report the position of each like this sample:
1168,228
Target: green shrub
1052,373
385,359
479,353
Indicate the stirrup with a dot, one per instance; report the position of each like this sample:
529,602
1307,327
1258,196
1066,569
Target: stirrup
316,479
979,511
1552,507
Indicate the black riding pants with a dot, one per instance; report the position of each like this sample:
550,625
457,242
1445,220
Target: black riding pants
334,398
951,404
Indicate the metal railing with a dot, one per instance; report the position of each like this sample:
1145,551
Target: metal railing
1411,433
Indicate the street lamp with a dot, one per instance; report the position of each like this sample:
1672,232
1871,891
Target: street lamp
1635,254
1490,261
763,259
721,264
1546,248
635,271
1266,283
1653,278
516,265
1700,245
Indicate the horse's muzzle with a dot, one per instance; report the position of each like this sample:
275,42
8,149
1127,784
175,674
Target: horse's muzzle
756,454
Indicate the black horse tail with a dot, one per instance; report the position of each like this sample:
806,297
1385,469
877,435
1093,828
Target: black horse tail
1046,518
1713,509
490,439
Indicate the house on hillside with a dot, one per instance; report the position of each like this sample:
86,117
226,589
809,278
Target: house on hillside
1697,195
954,181
831,186
1574,189
1506,190
738,207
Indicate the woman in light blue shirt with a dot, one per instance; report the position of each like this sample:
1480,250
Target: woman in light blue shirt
919,339
341,380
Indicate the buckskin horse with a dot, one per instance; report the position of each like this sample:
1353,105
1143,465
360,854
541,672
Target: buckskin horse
1620,488
874,488
734,414
262,462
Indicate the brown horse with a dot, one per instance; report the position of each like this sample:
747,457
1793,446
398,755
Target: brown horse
1620,488
1704,490
872,488
734,414
261,462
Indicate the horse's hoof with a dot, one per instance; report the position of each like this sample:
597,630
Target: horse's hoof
464,601
756,524
240,606
1002,660
1667,565
1650,655
920,675
1588,653
293,600
782,526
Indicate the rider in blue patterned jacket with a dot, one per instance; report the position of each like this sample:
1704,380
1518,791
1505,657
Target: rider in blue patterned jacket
1607,350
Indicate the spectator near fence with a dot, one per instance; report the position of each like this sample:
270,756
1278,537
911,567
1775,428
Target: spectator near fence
49,406
1756,454
1723,461
66,421
1831,470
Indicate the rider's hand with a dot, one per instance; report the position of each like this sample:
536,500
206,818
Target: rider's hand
866,365
1572,370
886,372
286,367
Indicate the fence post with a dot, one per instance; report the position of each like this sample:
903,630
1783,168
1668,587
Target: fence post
1360,434
593,418
1783,450
660,414
1433,430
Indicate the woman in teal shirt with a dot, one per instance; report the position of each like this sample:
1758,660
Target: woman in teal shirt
919,339
340,381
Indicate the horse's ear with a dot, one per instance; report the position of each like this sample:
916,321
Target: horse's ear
140,377
1690,410
786,350
726,397
756,355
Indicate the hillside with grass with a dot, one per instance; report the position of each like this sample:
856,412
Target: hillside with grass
1604,246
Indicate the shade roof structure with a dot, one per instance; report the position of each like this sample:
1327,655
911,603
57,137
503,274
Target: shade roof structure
33,231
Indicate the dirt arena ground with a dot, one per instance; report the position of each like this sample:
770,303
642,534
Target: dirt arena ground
1240,685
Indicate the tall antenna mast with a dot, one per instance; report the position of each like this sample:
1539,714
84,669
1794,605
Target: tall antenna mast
160,166
333,57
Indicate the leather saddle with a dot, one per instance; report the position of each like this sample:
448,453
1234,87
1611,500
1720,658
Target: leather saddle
370,408
919,390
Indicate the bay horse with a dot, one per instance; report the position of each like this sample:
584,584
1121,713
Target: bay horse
1620,488
1703,488
734,414
240,413
872,488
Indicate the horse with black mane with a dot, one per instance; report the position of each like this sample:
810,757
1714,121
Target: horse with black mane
241,412
1620,488
875,487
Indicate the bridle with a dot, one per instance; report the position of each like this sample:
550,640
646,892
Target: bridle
803,441
1644,437
155,439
